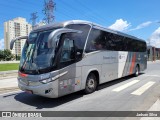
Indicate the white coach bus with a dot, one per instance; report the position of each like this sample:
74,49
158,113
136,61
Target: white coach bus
66,57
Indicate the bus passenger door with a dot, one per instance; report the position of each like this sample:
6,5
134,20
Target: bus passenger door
69,75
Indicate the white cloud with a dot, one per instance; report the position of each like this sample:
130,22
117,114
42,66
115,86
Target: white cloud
1,44
120,25
155,38
145,24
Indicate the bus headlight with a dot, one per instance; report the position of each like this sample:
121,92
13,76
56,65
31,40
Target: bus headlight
46,80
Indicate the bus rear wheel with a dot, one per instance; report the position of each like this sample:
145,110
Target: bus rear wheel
136,71
91,84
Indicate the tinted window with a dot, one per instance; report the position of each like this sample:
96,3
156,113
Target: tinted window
114,42
95,41
142,46
135,45
102,40
80,39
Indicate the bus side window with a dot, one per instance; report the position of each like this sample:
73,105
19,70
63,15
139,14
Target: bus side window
95,41
67,50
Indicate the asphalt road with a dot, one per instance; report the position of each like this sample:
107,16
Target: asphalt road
140,93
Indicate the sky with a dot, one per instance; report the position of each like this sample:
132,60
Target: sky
140,18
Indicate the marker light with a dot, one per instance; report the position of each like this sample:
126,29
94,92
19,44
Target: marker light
22,74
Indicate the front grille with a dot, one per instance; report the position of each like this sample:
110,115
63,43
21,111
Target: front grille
29,83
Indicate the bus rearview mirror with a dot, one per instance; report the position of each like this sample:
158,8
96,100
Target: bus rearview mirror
14,40
55,35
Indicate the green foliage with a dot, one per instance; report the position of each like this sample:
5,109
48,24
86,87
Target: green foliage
6,55
18,57
1,55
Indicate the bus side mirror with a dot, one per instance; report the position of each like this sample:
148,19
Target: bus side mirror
18,38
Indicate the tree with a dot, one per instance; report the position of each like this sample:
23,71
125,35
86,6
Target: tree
7,55
1,55
18,57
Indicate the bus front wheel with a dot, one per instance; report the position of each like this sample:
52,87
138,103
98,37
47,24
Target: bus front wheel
91,83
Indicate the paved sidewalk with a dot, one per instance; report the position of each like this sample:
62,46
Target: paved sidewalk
8,74
8,85
5,62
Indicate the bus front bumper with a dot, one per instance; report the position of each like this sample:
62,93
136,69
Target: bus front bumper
49,90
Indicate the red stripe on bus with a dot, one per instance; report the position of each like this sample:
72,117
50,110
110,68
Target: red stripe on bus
133,63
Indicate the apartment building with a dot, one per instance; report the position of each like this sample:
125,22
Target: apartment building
14,28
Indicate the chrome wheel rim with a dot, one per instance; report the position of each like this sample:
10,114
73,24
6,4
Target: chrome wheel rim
91,83
137,72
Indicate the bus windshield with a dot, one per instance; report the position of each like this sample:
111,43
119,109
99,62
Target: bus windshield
36,55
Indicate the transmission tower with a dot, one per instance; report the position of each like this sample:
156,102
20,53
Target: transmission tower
33,18
49,7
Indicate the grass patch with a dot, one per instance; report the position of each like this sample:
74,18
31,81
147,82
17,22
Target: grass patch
9,66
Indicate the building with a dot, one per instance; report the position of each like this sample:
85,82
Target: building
153,53
14,28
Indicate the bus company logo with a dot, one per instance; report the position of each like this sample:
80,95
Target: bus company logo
6,114
120,57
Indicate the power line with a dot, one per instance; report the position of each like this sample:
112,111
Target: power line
82,12
16,6
49,7
62,13
96,15
66,12
74,9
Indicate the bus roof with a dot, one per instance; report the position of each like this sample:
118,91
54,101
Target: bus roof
65,23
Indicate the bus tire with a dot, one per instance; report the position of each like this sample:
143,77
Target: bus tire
136,73
91,83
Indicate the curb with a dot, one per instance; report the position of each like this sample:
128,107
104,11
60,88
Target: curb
8,62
